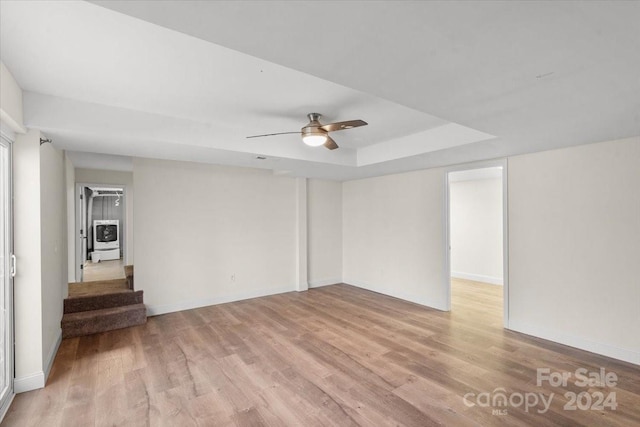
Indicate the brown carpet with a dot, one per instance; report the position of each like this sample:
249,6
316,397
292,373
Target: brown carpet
107,319
98,302
102,305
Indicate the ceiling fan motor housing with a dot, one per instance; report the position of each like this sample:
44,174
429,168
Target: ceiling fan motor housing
313,130
313,127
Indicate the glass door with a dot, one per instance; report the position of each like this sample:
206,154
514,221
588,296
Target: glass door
7,271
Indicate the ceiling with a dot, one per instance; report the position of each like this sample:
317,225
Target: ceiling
439,82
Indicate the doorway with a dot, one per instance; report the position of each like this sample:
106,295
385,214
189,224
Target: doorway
100,230
476,239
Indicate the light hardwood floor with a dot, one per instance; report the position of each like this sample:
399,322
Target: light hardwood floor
98,287
336,355
103,270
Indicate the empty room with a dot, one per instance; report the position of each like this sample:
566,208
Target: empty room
319,213
476,244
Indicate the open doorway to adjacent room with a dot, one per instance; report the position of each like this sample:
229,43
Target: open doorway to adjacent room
100,231
476,238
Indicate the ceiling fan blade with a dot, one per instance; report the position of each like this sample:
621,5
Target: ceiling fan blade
273,134
332,127
330,144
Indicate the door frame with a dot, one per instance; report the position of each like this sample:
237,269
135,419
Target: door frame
78,238
505,228
8,137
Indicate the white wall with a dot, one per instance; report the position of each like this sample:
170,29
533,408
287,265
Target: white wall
574,243
124,179
53,247
40,235
207,234
27,283
324,217
393,236
574,247
10,100
475,208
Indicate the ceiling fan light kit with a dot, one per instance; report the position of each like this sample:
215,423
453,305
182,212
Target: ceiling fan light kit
314,140
315,134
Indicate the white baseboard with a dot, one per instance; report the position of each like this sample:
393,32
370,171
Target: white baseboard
324,282
29,382
478,278
560,337
396,293
38,379
51,356
154,310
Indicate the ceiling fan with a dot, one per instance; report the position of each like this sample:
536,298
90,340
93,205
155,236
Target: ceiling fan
315,134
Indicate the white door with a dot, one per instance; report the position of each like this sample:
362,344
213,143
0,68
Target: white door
7,271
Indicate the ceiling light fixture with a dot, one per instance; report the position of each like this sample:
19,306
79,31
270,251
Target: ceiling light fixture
314,140
312,134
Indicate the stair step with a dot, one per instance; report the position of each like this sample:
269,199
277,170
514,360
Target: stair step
107,319
97,287
98,302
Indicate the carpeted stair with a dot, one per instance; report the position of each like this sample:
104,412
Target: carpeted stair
102,301
106,309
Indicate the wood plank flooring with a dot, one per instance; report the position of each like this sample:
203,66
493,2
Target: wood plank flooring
336,355
103,270
99,287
